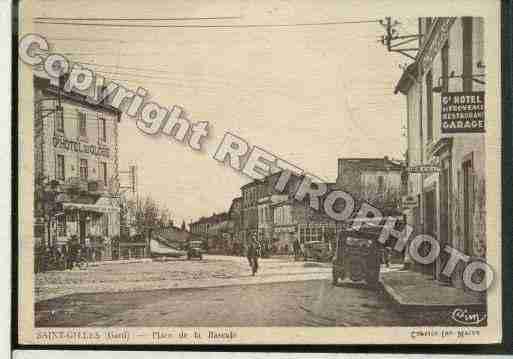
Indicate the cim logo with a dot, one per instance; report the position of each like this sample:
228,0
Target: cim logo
465,316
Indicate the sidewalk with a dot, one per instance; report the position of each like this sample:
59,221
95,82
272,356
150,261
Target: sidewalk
413,290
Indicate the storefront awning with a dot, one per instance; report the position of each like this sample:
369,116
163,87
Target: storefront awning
87,202
89,207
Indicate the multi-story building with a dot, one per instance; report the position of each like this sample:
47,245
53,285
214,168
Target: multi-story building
216,230
451,201
200,227
76,170
251,194
220,233
235,214
266,217
280,219
295,221
376,180
284,224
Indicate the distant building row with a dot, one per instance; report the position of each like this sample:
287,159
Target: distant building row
277,219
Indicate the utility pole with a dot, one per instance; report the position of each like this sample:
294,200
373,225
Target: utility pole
403,44
409,45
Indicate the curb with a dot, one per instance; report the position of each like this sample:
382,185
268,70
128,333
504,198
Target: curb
206,284
126,261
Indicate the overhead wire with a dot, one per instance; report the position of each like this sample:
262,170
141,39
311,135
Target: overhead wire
219,26
136,19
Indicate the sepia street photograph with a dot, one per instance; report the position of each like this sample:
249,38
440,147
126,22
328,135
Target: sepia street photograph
259,172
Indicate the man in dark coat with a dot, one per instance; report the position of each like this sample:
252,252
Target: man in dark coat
297,250
253,254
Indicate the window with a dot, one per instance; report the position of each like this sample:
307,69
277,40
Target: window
59,121
381,184
83,169
429,105
302,235
103,172
106,224
82,124
313,233
102,125
429,22
61,225
60,174
467,53
308,234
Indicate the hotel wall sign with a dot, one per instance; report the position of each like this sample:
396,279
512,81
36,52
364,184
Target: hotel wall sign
75,146
463,112
423,169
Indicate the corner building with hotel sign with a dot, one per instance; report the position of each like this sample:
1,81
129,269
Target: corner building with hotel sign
75,171
451,200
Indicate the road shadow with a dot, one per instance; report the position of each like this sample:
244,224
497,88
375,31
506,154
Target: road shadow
354,285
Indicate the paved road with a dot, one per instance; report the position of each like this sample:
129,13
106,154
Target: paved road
212,271
298,303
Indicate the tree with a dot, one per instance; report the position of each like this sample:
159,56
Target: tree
164,217
183,226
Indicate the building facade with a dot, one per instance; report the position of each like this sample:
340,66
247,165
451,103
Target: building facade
284,224
200,227
451,201
235,214
220,233
76,170
281,219
378,181
216,230
252,193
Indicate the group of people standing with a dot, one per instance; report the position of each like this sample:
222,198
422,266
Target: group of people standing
64,257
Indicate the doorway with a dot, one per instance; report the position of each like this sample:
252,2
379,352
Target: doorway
468,193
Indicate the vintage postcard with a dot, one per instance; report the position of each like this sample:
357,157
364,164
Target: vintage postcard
259,172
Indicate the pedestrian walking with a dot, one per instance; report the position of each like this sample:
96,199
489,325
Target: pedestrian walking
297,250
253,254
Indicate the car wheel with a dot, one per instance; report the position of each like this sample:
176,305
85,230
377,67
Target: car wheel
372,280
358,269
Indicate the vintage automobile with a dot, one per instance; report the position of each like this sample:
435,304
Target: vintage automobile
316,250
358,255
194,250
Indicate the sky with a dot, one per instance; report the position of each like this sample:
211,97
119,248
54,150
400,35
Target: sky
309,94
